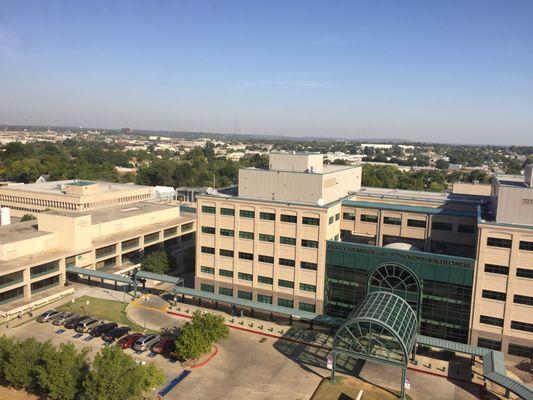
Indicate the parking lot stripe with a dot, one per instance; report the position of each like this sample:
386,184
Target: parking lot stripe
173,384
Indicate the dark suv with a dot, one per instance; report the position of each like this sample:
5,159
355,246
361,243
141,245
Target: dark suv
103,329
115,333
73,322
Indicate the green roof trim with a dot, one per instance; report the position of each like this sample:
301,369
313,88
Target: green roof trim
99,274
159,277
81,183
407,208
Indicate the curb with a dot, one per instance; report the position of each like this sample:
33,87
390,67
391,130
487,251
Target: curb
208,359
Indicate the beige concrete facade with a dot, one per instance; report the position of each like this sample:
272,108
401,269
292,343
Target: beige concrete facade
34,255
73,195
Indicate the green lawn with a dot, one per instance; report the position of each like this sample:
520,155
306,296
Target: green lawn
348,388
109,310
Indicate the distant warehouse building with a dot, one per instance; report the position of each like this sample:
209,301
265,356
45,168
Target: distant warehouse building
306,236
35,255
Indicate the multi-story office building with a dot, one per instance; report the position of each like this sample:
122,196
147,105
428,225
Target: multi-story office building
307,236
269,242
35,255
72,195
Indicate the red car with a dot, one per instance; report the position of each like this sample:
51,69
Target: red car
164,346
127,341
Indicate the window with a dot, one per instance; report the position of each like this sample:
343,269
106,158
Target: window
207,270
267,216
310,221
337,216
245,277
227,232
247,214
524,273
241,294
521,299
497,242
246,235
105,251
208,229
521,326
528,246
310,243
263,298
392,220
369,218
493,295
285,284
265,279
287,240
225,272
519,350
497,269
266,259
208,209
484,319
227,211
308,265
287,262
11,279
246,256
170,232
207,288
44,269
11,295
466,228
441,226
208,250
225,291
489,343
350,216
44,284
306,307
226,253
285,303
266,238
331,219
186,227
288,218
152,237
307,288
416,223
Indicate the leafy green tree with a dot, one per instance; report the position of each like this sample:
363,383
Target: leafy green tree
116,375
157,262
24,359
212,325
192,342
62,372
6,346
442,164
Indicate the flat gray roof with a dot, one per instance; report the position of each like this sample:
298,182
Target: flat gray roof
20,231
54,187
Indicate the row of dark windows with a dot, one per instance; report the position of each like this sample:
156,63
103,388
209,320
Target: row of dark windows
507,243
44,269
504,270
262,215
261,298
518,298
261,258
261,279
517,325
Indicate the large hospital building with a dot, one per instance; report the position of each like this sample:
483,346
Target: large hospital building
80,224
307,236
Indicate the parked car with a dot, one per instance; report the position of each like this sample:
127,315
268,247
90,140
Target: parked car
102,329
164,346
115,333
129,340
87,325
61,319
72,323
47,315
145,342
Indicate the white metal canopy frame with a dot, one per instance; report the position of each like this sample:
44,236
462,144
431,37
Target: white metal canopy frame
383,328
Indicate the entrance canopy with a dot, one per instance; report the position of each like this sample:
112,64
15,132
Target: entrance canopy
383,328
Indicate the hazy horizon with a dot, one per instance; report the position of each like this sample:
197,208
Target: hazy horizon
454,72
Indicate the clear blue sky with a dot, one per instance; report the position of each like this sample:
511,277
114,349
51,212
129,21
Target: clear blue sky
449,71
